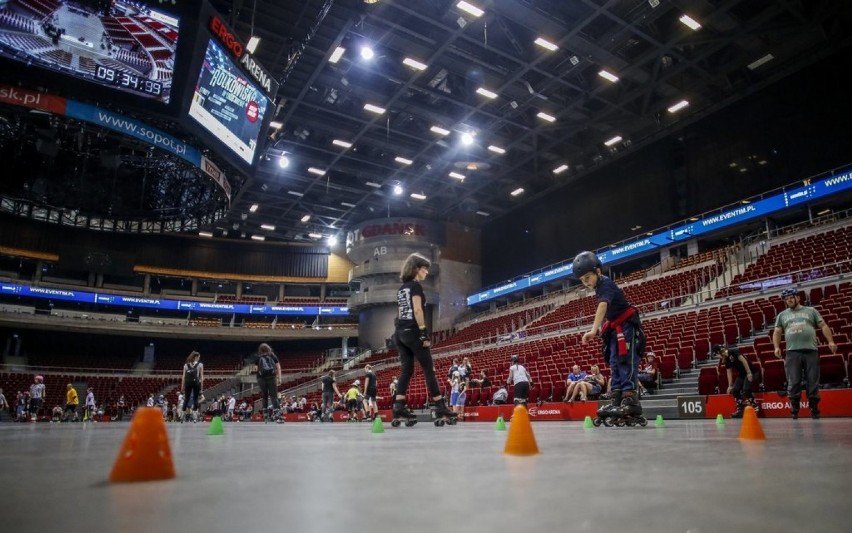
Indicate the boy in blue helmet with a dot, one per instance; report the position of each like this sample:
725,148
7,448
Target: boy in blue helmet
617,323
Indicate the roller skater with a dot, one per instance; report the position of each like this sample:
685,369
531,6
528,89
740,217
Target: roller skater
748,374
798,323
617,323
520,378
329,389
412,340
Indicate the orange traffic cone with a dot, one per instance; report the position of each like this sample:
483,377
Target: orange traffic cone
751,429
145,454
520,440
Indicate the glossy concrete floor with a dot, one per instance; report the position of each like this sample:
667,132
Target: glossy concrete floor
689,476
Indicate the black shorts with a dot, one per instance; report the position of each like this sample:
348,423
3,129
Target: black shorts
353,404
70,407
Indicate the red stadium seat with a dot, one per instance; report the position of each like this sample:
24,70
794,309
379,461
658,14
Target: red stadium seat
832,369
708,380
774,376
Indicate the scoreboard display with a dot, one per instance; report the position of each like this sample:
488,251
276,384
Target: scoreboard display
129,46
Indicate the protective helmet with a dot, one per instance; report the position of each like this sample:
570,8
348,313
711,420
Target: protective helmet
39,378
789,291
356,382
584,263
716,349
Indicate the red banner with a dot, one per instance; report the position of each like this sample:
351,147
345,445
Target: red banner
32,99
833,402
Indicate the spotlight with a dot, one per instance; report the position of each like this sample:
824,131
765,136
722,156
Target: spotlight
332,240
467,139
397,189
283,161
367,53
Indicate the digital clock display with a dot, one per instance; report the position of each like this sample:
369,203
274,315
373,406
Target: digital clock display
129,81
124,45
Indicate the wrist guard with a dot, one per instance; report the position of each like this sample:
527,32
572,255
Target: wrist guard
424,335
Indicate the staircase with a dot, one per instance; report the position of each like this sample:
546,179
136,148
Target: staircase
664,401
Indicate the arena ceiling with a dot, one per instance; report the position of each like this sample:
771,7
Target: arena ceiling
540,114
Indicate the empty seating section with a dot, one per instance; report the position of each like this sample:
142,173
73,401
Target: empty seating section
492,328
16,21
811,257
299,300
42,8
244,299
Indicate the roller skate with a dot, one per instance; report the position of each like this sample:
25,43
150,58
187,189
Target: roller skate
630,411
814,405
606,413
401,415
794,408
740,409
442,415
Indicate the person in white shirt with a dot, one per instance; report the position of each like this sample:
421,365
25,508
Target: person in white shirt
520,378
89,412
232,402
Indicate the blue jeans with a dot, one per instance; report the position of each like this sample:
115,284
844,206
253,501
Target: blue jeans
625,369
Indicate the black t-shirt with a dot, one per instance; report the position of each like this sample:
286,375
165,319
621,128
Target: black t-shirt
733,361
328,383
405,300
616,303
370,378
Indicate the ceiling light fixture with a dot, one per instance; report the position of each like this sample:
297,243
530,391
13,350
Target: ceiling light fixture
317,171
344,144
347,204
332,240
467,7
544,116
373,184
205,234
367,53
483,213
306,218
253,208
678,106
608,76
294,193
258,237
283,161
403,160
397,189
276,125
253,41
544,43
374,109
560,169
467,139
457,175
267,227
763,60
336,55
418,196
614,140
496,149
517,191
439,130
413,63
315,235
690,22
486,93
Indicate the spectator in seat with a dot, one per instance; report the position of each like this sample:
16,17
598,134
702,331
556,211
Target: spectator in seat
572,384
798,324
56,414
648,372
500,397
592,384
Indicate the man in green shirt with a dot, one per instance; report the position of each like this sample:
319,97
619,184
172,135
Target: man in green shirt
798,323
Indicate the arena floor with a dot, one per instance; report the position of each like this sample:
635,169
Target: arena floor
689,476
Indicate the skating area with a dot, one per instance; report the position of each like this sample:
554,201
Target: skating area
687,476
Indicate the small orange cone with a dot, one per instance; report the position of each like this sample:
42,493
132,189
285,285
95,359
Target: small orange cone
145,454
520,440
751,429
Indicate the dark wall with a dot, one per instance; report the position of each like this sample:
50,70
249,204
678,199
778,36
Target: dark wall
89,251
795,125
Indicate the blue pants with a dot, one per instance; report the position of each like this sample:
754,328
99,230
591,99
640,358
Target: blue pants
625,369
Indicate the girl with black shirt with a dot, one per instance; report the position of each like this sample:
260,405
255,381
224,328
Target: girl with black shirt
412,338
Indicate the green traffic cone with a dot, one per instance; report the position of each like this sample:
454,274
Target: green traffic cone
216,426
378,427
660,423
720,420
587,423
501,424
